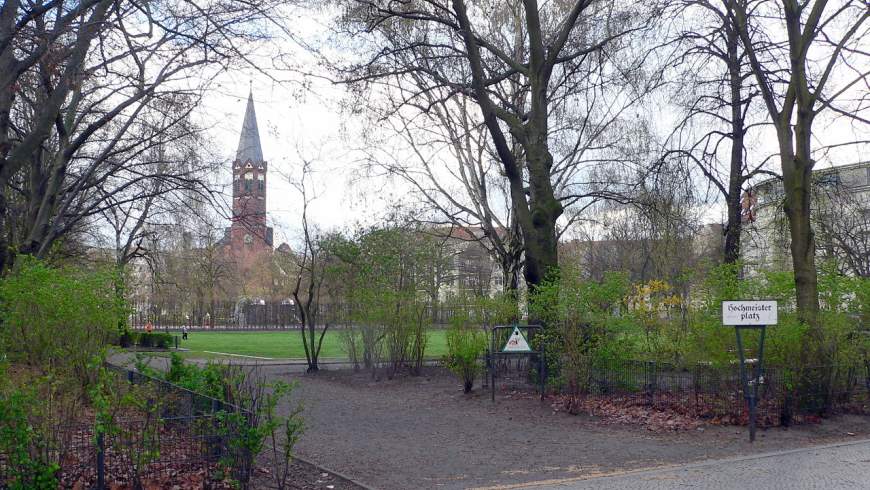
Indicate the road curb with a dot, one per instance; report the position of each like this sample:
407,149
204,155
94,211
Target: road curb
333,472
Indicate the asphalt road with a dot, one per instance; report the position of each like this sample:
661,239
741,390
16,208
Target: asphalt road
837,466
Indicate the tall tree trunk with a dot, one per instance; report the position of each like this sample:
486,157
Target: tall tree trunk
735,177
539,233
537,212
797,169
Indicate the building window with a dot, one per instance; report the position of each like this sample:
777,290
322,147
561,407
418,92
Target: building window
249,180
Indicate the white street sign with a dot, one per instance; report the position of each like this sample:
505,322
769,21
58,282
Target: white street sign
516,343
749,313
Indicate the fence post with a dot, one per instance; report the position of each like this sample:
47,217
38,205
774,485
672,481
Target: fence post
101,462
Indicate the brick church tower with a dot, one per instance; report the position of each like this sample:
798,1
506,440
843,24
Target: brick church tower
248,236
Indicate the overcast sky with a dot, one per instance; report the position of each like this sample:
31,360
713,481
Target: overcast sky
297,122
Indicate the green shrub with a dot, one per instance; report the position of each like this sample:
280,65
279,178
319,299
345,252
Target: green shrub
163,340
208,380
587,328
246,432
128,338
32,407
465,345
156,340
57,319
24,447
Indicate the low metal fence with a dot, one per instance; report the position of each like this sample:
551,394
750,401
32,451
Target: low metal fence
179,443
162,451
707,391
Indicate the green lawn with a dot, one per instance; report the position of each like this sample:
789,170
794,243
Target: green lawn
281,345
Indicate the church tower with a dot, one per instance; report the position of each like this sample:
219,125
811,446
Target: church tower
248,235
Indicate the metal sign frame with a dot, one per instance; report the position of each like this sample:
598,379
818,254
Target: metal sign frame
494,352
751,384
751,377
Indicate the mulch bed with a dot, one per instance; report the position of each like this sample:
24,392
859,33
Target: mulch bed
180,465
664,416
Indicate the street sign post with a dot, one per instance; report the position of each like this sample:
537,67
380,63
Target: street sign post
516,344
755,315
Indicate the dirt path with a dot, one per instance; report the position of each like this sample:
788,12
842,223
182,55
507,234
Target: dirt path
424,433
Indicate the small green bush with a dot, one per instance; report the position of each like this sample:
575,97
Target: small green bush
588,328
163,340
128,338
246,432
465,345
155,339
208,380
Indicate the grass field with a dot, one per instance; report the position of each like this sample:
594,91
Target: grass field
281,345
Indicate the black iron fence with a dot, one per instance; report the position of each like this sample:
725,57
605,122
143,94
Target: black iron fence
714,392
220,316
257,315
162,451
701,391
179,443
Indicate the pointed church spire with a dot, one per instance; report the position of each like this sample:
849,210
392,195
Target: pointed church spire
249,140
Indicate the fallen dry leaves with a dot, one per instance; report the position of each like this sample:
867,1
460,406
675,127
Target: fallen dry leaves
666,415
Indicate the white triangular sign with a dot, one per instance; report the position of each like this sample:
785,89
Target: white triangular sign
516,343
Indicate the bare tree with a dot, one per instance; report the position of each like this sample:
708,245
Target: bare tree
309,273
452,169
715,87
514,72
841,213
77,78
807,59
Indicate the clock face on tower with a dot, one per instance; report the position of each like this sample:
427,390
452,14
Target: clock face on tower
248,239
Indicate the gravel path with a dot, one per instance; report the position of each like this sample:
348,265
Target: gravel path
424,433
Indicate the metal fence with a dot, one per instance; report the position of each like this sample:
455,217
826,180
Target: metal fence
708,392
220,316
164,450
180,443
257,315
